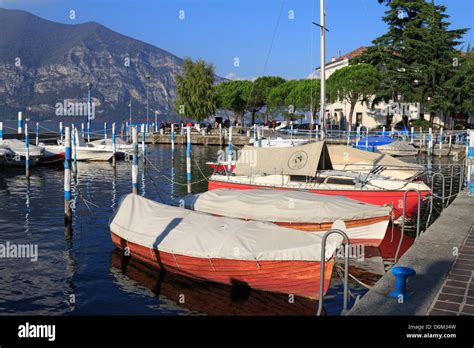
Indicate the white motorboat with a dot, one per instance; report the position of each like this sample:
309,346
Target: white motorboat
106,144
278,142
398,148
82,150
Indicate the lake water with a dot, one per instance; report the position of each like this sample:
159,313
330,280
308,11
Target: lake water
80,273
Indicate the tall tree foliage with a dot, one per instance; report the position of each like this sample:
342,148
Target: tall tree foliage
295,95
353,84
418,54
257,96
195,94
232,96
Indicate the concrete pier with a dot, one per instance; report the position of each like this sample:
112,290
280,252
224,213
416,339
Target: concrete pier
437,256
196,139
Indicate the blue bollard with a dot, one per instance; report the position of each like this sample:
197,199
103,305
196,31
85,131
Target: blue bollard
401,274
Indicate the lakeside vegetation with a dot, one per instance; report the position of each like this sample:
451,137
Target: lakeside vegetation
418,60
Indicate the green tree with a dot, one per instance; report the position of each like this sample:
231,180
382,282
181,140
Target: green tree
305,95
231,95
416,55
294,94
257,95
353,84
195,94
456,98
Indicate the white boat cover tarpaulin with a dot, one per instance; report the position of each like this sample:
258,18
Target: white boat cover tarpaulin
185,232
19,147
351,159
302,160
398,148
282,206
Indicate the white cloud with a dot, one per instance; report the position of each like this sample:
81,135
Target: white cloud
234,76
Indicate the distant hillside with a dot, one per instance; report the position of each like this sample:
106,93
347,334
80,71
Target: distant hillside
57,60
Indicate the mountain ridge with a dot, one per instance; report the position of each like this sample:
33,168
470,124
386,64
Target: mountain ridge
44,62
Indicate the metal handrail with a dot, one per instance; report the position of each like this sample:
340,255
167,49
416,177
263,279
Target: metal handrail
402,233
452,178
432,195
346,268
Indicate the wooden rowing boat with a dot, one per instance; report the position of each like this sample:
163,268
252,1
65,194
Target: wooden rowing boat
228,251
298,210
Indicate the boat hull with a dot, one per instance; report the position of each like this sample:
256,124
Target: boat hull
84,153
298,278
377,197
369,232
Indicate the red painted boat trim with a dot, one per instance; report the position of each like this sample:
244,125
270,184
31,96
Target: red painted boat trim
299,278
59,157
376,197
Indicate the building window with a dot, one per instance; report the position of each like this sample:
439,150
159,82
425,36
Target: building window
358,119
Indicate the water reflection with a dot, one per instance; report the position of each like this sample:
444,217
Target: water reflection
202,297
78,262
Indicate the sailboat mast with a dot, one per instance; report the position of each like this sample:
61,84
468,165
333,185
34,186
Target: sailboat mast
323,69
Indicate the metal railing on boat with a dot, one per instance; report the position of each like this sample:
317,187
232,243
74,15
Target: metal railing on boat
339,231
402,233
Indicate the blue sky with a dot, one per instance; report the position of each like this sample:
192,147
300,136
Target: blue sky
221,30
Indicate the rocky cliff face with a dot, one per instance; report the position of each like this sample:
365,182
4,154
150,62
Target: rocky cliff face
43,63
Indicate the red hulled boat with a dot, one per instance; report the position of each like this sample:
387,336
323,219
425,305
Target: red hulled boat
308,167
299,210
223,250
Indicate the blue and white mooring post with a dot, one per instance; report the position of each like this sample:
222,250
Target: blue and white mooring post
412,135
88,130
255,133
143,142
188,158
67,178
82,129
1,131
61,131
259,136
75,138
27,152
135,160
113,144
105,130
470,163
229,151
383,131
37,133
20,122
357,137
366,139
172,137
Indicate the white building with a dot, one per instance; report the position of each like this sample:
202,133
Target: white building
382,114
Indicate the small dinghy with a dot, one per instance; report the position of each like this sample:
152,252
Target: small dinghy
299,210
398,148
223,250
18,149
8,158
